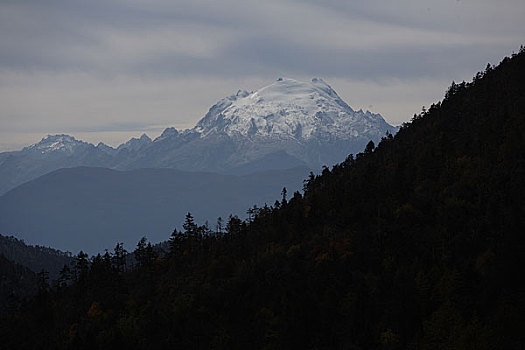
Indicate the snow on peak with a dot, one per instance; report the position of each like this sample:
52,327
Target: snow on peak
290,91
56,143
290,109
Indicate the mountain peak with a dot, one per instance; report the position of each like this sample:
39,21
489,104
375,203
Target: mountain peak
298,91
56,143
290,109
168,132
105,148
63,138
135,144
145,137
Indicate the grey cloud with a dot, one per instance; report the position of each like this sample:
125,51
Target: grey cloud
419,62
480,16
227,38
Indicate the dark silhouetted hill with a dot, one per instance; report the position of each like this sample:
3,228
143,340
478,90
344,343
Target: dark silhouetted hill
36,258
17,282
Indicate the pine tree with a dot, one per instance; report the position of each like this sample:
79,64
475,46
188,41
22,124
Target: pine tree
81,266
190,228
176,242
119,257
219,225
140,252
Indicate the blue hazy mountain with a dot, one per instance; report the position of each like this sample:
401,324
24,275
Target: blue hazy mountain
93,208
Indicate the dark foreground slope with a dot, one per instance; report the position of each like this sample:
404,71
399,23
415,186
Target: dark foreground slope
17,282
417,243
36,258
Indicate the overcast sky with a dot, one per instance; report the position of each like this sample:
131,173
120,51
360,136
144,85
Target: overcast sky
109,70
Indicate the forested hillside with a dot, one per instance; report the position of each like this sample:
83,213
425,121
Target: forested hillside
37,258
17,282
416,243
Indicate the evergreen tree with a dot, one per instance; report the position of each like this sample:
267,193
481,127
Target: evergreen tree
119,257
140,252
219,225
64,277
283,194
369,147
176,242
43,281
190,228
81,266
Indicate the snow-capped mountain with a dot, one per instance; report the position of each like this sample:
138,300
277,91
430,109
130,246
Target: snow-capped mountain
51,153
286,124
289,109
57,143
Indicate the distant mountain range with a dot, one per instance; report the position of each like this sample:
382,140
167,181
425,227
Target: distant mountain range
281,126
